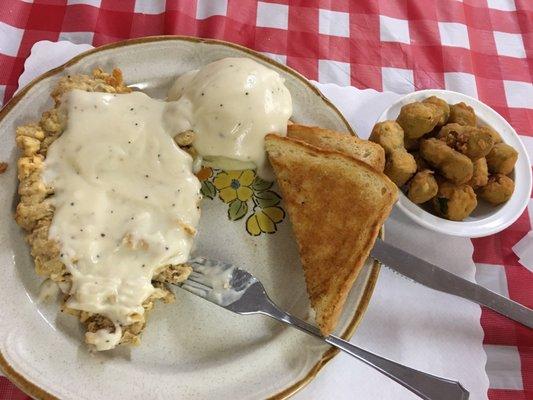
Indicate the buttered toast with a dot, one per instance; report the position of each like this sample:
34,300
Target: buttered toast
337,205
364,150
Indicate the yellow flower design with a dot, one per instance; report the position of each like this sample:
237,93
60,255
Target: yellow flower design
239,188
264,220
234,185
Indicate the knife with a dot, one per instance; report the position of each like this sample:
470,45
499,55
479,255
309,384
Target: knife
439,279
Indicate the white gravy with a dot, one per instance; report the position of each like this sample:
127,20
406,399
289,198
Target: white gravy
126,202
231,104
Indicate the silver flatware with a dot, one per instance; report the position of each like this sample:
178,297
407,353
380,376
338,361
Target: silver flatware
239,291
437,278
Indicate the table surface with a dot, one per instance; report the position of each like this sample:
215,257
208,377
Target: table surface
483,48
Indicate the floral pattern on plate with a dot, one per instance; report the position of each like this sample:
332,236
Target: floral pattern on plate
246,194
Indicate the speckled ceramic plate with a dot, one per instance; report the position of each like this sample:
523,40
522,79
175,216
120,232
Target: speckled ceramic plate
190,349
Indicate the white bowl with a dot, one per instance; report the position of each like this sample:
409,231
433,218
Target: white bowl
486,219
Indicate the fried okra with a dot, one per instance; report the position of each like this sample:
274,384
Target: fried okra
468,140
437,153
442,106
417,119
421,164
389,135
498,189
454,202
423,187
411,144
400,166
453,165
480,176
501,159
462,114
448,133
493,133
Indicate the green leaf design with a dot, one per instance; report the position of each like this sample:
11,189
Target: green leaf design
237,209
208,189
260,185
268,198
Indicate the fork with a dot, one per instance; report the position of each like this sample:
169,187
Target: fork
239,291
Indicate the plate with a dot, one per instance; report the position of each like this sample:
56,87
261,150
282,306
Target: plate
190,349
486,219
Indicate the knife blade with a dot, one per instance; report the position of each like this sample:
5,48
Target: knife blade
434,277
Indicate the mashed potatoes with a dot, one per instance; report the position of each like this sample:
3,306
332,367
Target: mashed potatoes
231,104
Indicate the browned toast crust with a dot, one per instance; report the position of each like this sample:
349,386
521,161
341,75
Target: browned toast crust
364,150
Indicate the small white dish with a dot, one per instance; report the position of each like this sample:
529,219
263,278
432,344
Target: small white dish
485,220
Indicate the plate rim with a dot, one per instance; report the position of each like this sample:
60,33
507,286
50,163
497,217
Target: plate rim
37,392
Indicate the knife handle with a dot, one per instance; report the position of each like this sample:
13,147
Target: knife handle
437,278
460,287
500,304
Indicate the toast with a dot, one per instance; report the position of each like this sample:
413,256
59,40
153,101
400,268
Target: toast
368,152
337,205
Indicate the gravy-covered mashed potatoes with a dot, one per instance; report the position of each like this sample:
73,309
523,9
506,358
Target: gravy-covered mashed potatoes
120,200
230,105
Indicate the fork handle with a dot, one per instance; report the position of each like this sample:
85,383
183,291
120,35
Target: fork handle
426,386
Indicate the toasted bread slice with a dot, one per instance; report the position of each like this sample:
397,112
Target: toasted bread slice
364,150
337,205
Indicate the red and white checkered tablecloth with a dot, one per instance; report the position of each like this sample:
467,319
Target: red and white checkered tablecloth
483,48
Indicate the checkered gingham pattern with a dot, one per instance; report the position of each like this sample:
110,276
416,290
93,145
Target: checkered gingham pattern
483,48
